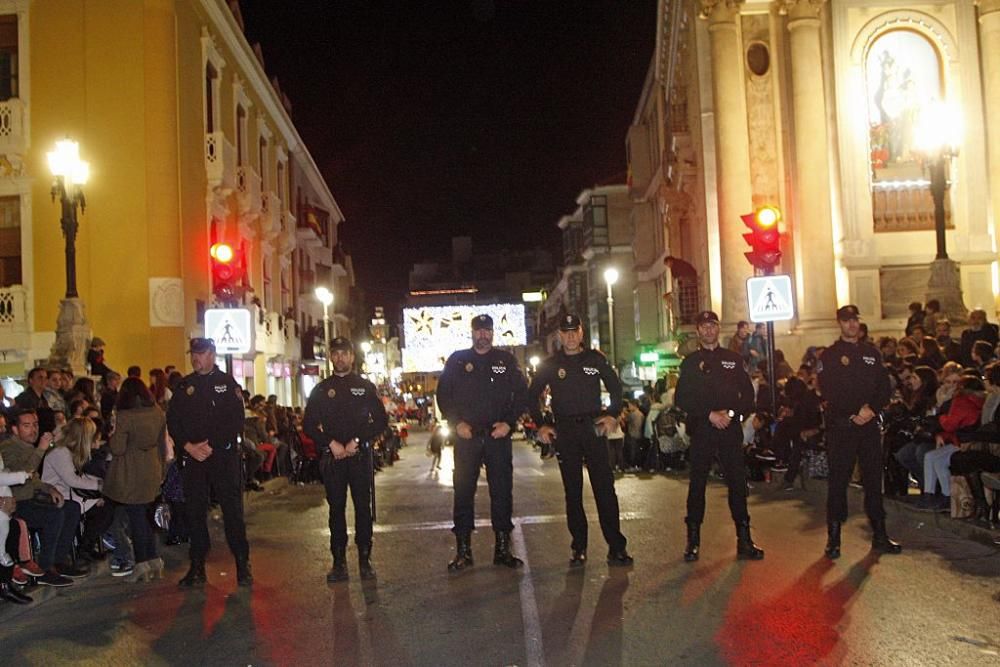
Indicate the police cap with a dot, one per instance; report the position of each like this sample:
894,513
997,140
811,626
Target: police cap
569,323
199,345
482,322
849,312
342,344
705,317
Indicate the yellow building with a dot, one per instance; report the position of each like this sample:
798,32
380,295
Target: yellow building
188,142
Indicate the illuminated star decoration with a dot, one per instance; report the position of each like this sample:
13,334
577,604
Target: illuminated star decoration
424,321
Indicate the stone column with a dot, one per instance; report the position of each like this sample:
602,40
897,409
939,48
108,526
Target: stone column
989,40
812,221
732,152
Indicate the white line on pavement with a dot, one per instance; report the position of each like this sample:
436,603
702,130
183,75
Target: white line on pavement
482,523
533,651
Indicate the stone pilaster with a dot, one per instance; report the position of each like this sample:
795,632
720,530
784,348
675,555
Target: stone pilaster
732,151
989,40
812,222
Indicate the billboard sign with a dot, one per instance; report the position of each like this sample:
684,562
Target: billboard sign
432,333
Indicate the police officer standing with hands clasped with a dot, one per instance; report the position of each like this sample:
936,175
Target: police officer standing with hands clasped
482,393
343,415
574,376
715,392
855,386
205,420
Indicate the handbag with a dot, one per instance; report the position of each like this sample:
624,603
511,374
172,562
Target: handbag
86,494
43,497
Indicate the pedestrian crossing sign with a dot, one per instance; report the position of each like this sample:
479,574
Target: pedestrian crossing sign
230,328
770,298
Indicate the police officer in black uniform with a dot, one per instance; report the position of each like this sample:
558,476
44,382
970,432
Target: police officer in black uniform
482,393
574,376
205,420
855,386
715,392
343,415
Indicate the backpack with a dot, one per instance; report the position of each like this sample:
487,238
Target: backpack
667,431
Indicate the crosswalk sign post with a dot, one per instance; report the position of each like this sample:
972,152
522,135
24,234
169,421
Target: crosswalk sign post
769,300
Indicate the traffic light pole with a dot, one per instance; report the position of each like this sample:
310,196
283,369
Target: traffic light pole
772,383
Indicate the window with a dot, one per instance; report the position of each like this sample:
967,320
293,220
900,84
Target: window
8,57
262,162
10,241
211,98
241,135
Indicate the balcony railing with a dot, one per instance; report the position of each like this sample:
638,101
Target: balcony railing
248,190
905,206
270,215
12,138
287,237
13,309
220,162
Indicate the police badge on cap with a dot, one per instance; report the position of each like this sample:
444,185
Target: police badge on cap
199,345
569,323
849,312
341,343
482,322
705,317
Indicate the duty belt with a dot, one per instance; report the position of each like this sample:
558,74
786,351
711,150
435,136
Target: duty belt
577,419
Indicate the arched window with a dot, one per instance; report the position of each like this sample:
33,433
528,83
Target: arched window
903,75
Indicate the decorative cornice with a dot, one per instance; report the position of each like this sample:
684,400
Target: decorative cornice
987,7
801,9
720,11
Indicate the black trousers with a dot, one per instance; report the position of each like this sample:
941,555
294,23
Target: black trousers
469,456
846,444
219,473
354,472
707,442
576,444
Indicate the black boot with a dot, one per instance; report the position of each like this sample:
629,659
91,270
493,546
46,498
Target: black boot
11,594
981,513
501,552
745,548
578,558
832,550
619,558
339,570
365,562
694,541
195,578
881,541
463,553
244,576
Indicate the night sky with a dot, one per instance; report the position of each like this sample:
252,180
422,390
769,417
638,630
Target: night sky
468,117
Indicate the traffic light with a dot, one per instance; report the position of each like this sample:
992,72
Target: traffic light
225,271
764,238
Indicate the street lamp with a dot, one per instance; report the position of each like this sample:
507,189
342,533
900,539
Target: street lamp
70,174
610,278
325,297
938,135
534,361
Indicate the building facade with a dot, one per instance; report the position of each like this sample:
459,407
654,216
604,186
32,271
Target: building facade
824,108
189,144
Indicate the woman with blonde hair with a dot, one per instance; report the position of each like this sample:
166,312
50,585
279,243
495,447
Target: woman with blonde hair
64,464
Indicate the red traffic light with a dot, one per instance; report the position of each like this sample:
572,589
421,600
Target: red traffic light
225,271
222,252
764,238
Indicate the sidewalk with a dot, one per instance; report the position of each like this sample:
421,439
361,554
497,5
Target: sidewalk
173,557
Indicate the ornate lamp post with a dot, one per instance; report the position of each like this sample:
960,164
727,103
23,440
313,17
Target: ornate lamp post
72,331
938,138
610,278
325,297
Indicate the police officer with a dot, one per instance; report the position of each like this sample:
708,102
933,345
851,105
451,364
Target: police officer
574,376
715,392
482,393
343,415
855,385
205,420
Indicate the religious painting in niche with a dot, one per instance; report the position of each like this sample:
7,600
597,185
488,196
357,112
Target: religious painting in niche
903,75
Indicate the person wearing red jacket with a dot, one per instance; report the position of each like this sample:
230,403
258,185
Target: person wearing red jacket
965,411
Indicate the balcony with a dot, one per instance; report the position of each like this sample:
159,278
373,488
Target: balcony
270,216
13,309
906,206
309,234
248,190
287,237
12,139
220,162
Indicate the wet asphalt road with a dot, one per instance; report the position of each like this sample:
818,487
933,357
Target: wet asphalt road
932,605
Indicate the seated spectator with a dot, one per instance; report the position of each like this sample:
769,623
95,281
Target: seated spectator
978,329
41,505
931,354
979,452
799,419
950,348
7,502
965,411
920,402
887,346
916,316
982,355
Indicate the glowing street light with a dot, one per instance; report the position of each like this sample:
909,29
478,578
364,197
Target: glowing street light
610,278
325,297
70,173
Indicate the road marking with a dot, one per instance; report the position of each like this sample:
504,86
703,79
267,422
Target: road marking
534,653
482,523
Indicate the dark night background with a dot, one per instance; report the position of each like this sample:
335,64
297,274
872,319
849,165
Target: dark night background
459,117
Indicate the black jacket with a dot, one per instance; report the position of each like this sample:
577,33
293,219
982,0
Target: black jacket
575,383
713,380
344,408
850,376
206,407
482,389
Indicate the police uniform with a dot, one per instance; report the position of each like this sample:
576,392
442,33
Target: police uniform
574,382
344,408
210,407
482,389
852,375
711,380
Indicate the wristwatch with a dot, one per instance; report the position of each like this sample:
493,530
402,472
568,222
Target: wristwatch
731,413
